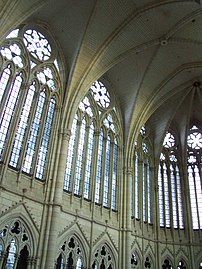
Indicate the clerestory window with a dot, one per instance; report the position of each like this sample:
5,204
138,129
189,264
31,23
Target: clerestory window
169,183
194,153
142,183
93,149
29,86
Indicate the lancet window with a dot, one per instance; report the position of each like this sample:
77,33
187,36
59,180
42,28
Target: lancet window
29,90
169,182
93,150
142,183
194,152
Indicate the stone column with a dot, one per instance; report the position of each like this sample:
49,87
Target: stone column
3,258
50,249
128,194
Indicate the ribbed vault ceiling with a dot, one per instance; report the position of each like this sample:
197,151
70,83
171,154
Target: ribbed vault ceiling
149,51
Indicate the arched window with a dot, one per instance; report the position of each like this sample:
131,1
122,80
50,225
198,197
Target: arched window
16,245
71,255
29,86
194,148
103,258
170,198
93,149
142,182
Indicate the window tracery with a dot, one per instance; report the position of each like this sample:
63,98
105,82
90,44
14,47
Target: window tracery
103,258
169,183
93,133
194,152
29,98
141,204
70,255
15,245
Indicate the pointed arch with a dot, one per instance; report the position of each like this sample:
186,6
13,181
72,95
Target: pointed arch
71,247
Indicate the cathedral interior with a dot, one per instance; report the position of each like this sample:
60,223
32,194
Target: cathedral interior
100,134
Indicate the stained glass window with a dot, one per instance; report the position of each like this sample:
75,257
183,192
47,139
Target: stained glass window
27,101
194,143
169,183
93,152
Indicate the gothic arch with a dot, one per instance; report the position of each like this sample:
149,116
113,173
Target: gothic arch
29,225
104,253
73,242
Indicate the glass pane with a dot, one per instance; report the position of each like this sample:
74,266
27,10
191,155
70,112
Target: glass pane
43,151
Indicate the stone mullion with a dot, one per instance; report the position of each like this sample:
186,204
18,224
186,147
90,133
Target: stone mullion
136,193
103,170
118,176
133,191
156,212
39,138
127,209
15,121
153,198
72,180
51,159
146,190
140,200
17,257
111,166
11,80
27,132
197,207
83,169
187,211
176,195
94,166
170,195
13,128
163,193
3,259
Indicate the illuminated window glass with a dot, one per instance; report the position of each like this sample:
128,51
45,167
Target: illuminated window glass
43,151
4,81
99,168
19,92
70,155
22,126
34,134
71,252
8,112
114,176
37,44
80,154
107,173
14,243
100,94
93,150
136,191
194,142
88,167
141,183
170,198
